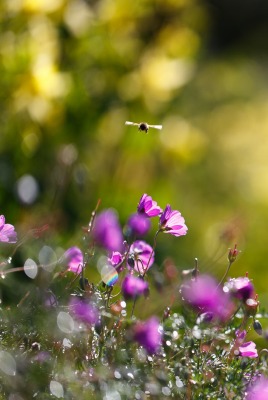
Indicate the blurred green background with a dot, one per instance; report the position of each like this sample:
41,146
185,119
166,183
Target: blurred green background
71,74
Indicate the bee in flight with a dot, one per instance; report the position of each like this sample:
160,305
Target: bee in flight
143,126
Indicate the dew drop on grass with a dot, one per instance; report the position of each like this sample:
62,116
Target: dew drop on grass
117,375
67,343
7,363
30,268
65,322
56,389
109,275
47,258
166,391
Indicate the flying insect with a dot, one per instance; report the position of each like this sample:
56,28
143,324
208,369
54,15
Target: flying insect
143,126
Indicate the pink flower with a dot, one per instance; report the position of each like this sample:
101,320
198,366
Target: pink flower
116,258
133,287
84,311
259,391
141,256
148,206
248,349
74,259
138,224
204,295
149,334
172,222
7,232
107,232
240,288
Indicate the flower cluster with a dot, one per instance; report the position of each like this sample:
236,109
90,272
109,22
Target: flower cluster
104,322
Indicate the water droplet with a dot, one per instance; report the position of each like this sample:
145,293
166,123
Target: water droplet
109,275
179,383
65,322
56,389
30,268
7,363
47,258
67,343
117,374
166,391
9,260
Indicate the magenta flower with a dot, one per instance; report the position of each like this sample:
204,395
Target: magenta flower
259,391
148,206
83,311
204,295
116,258
138,224
7,231
141,256
74,259
240,288
171,221
133,287
149,334
107,232
248,349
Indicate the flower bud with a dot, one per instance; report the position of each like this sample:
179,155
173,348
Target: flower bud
257,327
233,253
251,307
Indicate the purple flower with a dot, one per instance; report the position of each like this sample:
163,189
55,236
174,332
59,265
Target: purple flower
149,334
116,258
107,232
248,349
259,391
83,311
204,295
138,224
240,288
240,334
133,287
148,206
7,232
141,256
172,222
74,259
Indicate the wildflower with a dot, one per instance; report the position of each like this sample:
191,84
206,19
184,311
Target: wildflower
84,311
107,232
248,349
74,259
240,288
259,391
148,206
149,334
115,258
7,231
141,256
171,221
204,295
133,287
138,224
233,253
251,306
